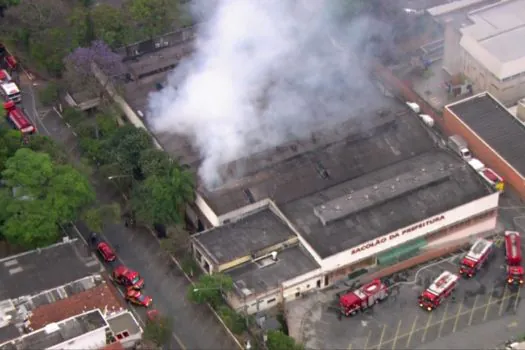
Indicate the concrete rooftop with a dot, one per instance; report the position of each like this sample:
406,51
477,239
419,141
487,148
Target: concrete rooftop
46,268
252,233
495,125
260,276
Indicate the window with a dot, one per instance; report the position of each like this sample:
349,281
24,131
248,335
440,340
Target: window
271,300
298,294
307,286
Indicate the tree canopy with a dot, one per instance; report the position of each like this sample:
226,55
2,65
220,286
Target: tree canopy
209,289
154,17
162,198
158,331
277,340
38,195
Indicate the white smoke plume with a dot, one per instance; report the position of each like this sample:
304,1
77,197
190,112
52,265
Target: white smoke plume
265,72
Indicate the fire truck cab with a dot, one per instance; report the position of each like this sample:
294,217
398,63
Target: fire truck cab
513,254
8,88
440,289
363,298
477,256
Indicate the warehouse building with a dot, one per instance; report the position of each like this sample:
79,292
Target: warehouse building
493,134
483,42
357,197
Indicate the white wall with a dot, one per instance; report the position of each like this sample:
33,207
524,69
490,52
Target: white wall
93,340
206,210
388,241
487,224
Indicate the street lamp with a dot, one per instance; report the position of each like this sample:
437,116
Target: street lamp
118,176
113,177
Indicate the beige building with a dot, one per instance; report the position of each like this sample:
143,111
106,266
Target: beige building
484,41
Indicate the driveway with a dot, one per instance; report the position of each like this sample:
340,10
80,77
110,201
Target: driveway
195,327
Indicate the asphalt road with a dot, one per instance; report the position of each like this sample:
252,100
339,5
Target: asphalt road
195,327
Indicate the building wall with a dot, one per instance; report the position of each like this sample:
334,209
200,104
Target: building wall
484,153
451,56
508,90
93,340
413,231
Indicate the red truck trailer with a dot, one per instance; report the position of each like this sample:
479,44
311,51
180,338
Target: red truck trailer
363,298
477,256
439,290
513,254
18,120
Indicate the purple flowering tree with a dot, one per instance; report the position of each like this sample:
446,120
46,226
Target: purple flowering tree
79,72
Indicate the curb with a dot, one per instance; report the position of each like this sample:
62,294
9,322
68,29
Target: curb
230,333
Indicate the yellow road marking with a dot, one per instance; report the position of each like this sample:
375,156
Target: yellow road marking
368,339
517,299
396,336
488,305
503,300
426,328
473,310
458,315
443,320
382,336
412,331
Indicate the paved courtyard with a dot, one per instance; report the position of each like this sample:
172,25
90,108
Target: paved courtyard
398,323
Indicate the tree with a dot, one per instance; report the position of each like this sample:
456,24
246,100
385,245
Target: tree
96,218
41,143
155,162
49,47
40,195
158,331
155,17
79,73
209,289
124,148
162,199
4,4
277,340
110,25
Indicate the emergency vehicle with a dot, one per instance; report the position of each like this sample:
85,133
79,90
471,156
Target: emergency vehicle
493,179
513,254
7,60
363,298
440,289
476,257
18,120
8,88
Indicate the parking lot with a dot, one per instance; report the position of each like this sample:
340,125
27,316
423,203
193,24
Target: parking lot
399,323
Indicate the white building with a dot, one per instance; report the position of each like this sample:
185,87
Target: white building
486,45
313,218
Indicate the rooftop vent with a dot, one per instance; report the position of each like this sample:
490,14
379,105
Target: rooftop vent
51,328
274,255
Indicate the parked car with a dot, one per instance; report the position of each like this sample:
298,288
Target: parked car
127,277
138,298
106,252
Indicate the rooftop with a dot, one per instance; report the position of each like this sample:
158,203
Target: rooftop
326,158
46,268
64,331
250,234
495,37
495,125
124,322
260,276
103,297
454,184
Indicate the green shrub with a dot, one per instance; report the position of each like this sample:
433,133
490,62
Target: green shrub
235,322
49,95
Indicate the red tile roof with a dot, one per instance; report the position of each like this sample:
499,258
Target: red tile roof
103,297
114,346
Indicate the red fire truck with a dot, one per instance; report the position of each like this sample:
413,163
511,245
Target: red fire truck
477,256
363,298
18,120
7,60
440,289
493,179
513,253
